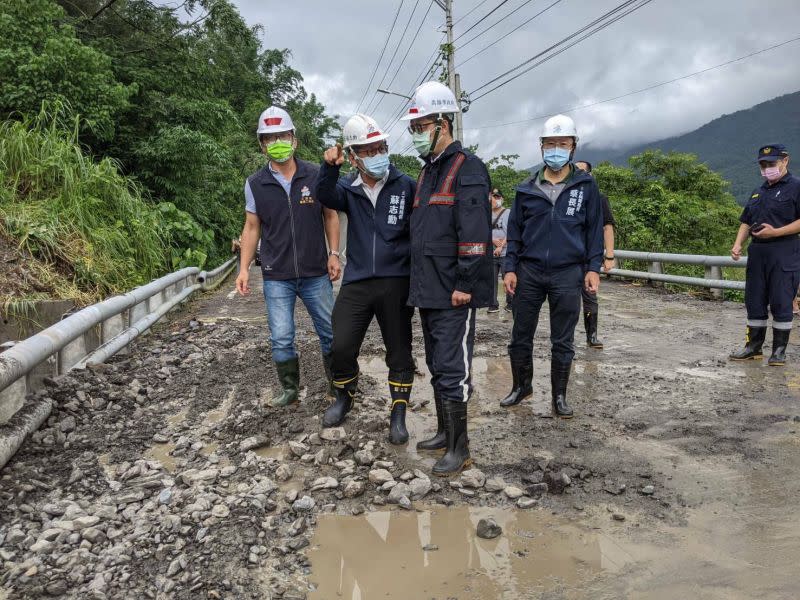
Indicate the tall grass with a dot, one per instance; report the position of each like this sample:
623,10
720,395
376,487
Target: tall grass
80,216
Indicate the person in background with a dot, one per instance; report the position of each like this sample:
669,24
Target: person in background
772,219
590,304
499,235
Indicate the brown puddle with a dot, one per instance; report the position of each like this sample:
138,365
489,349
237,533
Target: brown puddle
381,555
161,453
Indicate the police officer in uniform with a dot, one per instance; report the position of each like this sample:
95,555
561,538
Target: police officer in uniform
451,263
377,199
292,227
772,218
591,307
555,247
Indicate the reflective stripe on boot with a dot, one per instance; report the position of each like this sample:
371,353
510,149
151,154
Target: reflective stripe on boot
344,392
754,340
401,394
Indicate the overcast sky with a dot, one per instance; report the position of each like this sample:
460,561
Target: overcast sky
335,45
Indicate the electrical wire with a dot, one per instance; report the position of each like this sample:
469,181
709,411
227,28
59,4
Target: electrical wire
380,58
500,39
598,29
493,25
474,8
644,89
481,20
403,60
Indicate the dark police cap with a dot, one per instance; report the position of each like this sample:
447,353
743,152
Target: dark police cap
772,152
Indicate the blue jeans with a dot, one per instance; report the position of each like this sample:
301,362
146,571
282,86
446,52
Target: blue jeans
317,296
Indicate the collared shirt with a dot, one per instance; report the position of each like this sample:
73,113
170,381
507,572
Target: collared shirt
249,199
553,190
371,192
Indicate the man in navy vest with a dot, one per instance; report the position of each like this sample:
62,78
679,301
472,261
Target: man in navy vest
377,199
772,218
292,225
555,248
451,263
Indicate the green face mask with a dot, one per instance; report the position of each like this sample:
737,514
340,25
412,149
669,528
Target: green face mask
280,151
422,142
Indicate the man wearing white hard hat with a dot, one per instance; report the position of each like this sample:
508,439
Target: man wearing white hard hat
555,247
283,213
451,263
377,199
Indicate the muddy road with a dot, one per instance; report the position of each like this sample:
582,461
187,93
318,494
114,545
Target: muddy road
165,474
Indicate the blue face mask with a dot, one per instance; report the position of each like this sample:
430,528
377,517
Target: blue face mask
555,158
376,166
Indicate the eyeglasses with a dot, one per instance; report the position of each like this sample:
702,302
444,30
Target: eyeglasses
497,195
371,151
271,138
565,145
420,127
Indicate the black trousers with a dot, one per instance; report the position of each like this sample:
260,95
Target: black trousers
498,272
449,338
381,297
590,304
773,274
562,290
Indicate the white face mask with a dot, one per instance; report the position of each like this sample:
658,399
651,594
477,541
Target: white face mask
771,174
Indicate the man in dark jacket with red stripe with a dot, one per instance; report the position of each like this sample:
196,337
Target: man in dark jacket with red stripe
451,264
555,247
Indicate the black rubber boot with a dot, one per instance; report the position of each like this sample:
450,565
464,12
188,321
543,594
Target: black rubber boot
336,412
521,378
289,377
754,339
780,339
327,360
438,441
401,393
457,455
559,378
590,324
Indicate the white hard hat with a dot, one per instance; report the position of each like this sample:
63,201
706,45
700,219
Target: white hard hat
362,129
560,125
274,120
431,98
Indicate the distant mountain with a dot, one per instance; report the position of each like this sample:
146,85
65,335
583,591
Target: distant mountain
729,143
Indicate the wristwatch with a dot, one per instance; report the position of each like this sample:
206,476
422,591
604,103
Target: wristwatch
607,257
333,253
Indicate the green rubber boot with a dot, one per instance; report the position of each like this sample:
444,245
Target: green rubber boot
289,377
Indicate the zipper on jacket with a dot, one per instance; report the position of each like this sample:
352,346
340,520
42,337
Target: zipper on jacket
291,223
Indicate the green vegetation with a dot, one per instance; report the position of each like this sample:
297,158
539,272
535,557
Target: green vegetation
129,132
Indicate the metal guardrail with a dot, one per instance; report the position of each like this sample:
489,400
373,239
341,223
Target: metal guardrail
91,335
713,278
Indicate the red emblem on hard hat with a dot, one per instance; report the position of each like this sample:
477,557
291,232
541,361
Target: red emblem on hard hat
273,121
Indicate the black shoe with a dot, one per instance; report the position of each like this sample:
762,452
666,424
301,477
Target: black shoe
521,378
337,411
493,309
590,324
754,339
439,440
780,339
457,455
401,393
559,378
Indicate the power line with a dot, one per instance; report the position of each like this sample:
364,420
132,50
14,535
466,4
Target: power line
551,56
644,89
481,20
500,39
500,20
476,7
380,58
428,67
409,45
394,55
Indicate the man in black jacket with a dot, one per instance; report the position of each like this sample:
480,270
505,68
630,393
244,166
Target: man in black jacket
555,243
377,200
451,263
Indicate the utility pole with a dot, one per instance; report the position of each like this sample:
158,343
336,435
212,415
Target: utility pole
453,80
